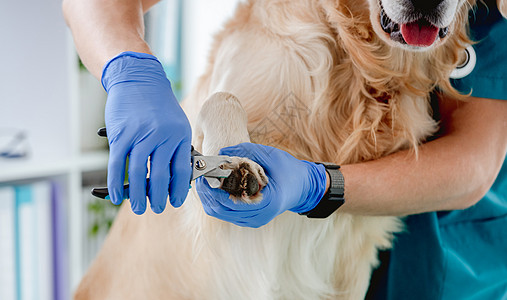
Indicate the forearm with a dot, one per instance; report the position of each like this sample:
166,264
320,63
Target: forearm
105,28
451,172
401,185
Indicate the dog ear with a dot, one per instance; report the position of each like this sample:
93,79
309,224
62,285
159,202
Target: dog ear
502,7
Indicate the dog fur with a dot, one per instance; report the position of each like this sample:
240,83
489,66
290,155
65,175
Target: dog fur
320,80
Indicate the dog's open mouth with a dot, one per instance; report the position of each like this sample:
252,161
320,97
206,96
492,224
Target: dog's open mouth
420,33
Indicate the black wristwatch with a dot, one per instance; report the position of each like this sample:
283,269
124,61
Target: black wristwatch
334,198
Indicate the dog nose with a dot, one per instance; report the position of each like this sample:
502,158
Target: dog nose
426,5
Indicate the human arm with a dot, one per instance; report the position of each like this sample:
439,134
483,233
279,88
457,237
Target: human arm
451,172
143,117
104,28
293,184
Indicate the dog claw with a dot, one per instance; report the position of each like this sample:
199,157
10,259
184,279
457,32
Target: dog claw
245,182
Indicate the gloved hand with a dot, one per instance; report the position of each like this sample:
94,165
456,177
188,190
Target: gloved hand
294,185
143,118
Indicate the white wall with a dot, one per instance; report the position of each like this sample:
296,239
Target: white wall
35,60
201,20
34,84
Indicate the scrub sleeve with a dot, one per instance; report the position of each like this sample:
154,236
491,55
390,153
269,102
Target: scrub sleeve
458,254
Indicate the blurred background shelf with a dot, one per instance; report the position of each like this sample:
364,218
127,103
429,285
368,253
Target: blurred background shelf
23,169
47,94
58,106
93,161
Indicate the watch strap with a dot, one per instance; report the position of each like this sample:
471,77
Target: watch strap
334,197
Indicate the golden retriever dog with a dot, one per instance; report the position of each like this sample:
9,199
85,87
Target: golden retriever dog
327,80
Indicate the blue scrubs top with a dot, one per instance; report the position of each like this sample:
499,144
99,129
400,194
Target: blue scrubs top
459,254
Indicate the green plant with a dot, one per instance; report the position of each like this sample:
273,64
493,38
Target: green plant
103,214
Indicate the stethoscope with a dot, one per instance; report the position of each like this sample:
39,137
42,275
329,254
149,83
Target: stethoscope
466,66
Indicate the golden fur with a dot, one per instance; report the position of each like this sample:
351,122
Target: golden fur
502,7
343,81
317,81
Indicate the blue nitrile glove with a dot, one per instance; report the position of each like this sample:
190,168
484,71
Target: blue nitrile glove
143,118
294,185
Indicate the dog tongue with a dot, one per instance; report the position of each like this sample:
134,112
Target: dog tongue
419,33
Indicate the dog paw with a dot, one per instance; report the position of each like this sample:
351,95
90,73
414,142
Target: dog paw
246,180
